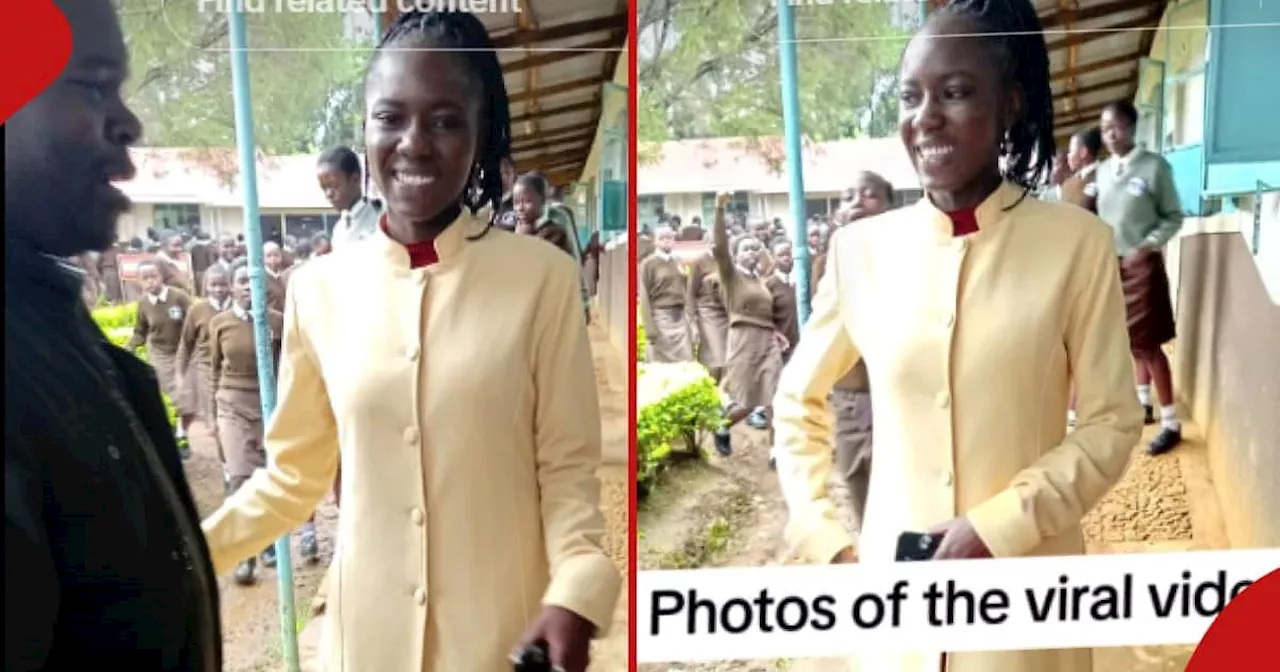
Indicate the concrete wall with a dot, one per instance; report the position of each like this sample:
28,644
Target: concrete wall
613,296
216,220
1227,371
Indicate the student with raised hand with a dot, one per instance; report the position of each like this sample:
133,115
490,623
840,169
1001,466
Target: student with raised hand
975,310
447,362
104,563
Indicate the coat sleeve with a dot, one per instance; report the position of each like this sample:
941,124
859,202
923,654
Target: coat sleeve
302,457
567,435
802,421
1053,494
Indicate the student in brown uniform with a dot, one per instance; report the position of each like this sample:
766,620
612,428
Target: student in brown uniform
273,263
1082,158
786,318
203,255
869,195
162,310
663,287
195,381
233,369
710,318
753,359
173,271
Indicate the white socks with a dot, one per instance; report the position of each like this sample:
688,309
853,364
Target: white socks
1169,418
1144,394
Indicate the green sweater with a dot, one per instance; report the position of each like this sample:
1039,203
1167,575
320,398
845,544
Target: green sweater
1140,201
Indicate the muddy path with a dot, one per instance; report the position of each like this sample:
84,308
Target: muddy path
716,512
251,625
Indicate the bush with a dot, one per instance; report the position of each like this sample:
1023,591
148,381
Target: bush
117,323
642,341
673,401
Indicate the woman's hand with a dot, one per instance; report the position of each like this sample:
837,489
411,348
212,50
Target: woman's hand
723,199
959,541
566,635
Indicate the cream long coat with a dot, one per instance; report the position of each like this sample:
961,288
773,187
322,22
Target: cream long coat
971,345
463,398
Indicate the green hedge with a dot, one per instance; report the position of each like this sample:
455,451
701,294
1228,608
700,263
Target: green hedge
673,402
117,323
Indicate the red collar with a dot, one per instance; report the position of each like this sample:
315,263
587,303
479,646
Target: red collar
963,222
421,253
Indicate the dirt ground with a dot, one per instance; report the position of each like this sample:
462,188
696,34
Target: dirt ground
729,512
251,626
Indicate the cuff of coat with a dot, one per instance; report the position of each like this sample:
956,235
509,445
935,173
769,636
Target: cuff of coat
1007,530
823,543
587,585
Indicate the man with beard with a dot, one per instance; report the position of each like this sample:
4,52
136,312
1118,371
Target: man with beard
105,564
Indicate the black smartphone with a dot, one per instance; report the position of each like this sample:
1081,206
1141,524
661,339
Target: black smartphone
532,659
917,546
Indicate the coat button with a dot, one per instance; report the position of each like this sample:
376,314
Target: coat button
113,452
943,400
411,436
419,596
416,516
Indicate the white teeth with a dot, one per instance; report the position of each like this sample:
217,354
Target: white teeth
935,152
413,180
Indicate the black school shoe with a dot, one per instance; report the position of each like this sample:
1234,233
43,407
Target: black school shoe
724,445
245,571
1149,415
1165,441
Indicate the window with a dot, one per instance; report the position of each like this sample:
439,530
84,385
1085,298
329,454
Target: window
303,227
270,226
647,208
183,217
815,206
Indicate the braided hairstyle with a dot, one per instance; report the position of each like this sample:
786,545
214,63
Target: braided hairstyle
463,33
1012,33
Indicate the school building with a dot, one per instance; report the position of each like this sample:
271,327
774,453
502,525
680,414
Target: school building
683,177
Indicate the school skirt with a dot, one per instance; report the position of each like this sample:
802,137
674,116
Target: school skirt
166,367
1147,301
713,335
752,366
671,340
240,432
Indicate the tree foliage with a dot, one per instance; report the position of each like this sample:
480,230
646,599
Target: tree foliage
710,68
305,69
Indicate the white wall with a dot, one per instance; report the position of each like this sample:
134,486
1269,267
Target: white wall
216,220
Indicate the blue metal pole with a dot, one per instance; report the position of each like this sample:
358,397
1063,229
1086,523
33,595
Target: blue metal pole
795,160
258,284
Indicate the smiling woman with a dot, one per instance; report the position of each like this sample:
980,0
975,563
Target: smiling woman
447,362
975,311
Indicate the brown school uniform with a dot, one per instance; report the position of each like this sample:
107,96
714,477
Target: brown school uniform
853,432
233,366
173,274
710,317
277,284
786,317
159,327
662,307
202,257
754,357
195,394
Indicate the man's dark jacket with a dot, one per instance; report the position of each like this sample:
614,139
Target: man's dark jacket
105,564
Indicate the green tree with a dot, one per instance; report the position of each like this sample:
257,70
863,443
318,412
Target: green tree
709,68
306,71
